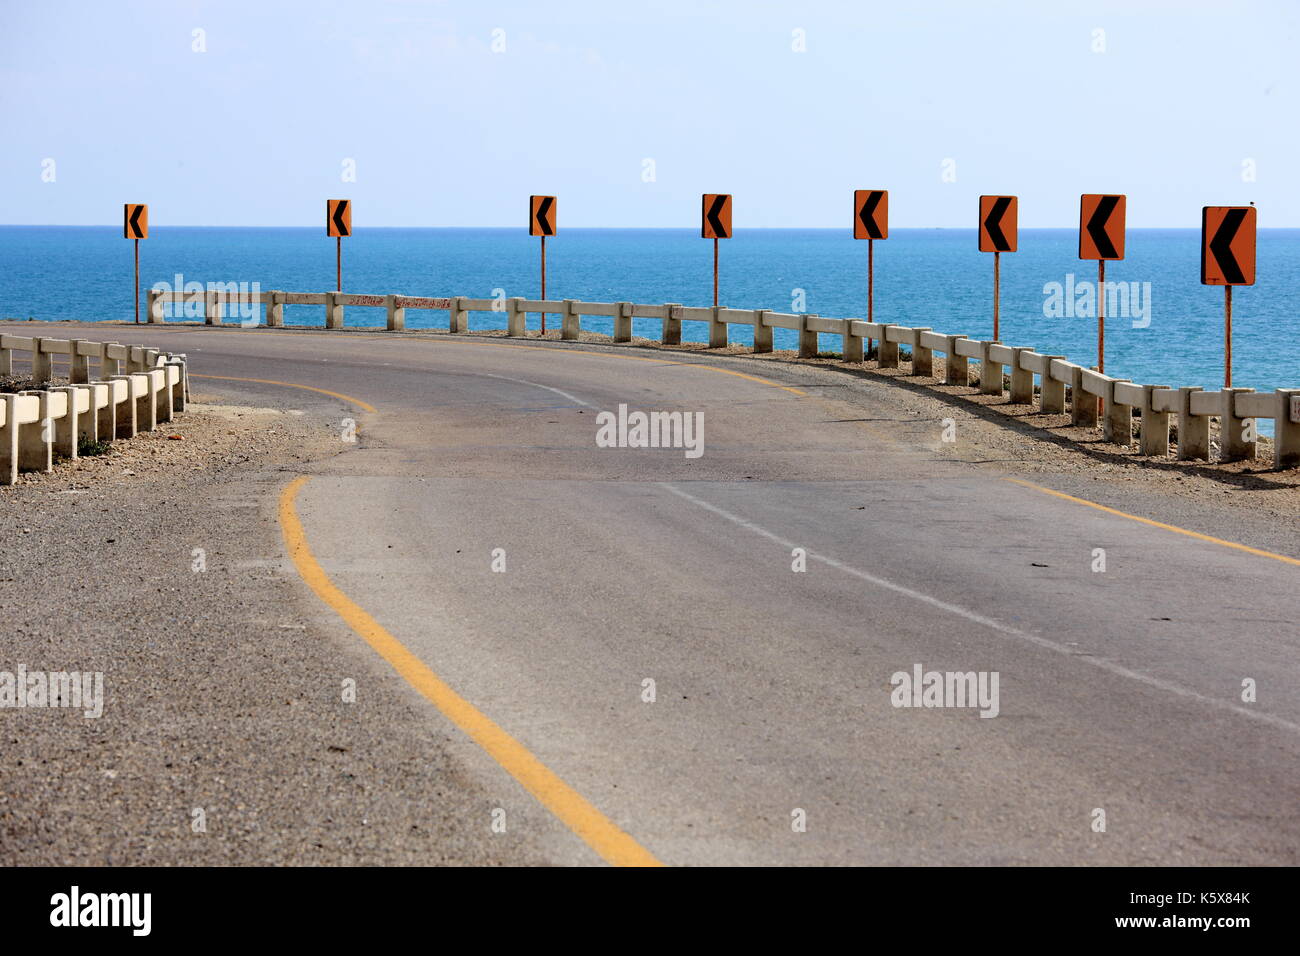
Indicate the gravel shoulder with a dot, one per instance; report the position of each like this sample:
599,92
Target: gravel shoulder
223,677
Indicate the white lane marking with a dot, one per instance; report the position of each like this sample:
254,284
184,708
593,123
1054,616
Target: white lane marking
991,623
520,381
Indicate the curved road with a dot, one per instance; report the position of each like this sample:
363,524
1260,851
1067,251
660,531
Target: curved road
1118,691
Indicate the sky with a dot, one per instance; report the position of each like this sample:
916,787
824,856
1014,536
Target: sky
452,113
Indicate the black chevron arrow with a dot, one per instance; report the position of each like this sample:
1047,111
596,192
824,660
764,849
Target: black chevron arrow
993,224
867,215
544,216
134,222
715,210
339,224
1097,227
1221,246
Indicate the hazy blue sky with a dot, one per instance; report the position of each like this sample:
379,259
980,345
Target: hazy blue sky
444,131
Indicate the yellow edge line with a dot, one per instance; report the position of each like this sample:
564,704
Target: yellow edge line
592,826
311,388
1156,524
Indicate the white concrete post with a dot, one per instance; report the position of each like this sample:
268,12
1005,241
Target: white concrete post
956,366
178,390
396,317
886,351
922,357
211,308
990,372
1193,430
1083,406
1051,393
154,306
275,310
622,321
1118,426
717,330
6,361
672,331
1233,445
42,363
36,441
1155,425
514,317
570,322
1286,428
1022,380
333,310
78,364
853,347
67,428
125,411
807,338
9,440
457,317
762,333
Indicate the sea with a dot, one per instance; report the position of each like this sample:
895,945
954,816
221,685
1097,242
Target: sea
1163,326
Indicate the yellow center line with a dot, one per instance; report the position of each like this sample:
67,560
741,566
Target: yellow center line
593,827
1156,524
366,406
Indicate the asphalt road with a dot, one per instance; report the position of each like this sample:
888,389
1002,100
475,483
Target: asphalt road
1118,690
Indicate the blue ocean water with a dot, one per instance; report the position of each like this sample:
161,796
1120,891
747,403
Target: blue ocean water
932,277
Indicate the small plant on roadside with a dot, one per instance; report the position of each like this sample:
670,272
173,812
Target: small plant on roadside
89,448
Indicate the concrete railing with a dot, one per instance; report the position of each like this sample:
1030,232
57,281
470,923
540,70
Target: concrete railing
132,389
1094,399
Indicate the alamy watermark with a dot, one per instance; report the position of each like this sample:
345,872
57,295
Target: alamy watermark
237,299
651,430
80,690
1124,300
922,688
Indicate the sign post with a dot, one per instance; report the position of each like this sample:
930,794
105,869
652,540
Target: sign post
871,222
541,222
135,225
1101,237
338,223
998,233
1227,259
715,224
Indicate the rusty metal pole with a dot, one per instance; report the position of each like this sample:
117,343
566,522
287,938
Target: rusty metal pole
543,284
137,282
871,281
1227,336
1101,315
997,279
338,263
715,273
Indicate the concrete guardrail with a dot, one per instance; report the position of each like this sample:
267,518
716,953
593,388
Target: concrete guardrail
1095,399
134,389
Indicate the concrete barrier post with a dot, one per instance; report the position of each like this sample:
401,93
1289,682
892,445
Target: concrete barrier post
154,306
1286,428
1051,393
68,428
672,333
333,310
1234,431
717,330
622,321
1118,426
42,362
990,372
211,308
570,322
106,417
125,425
1083,406
178,390
1193,430
396,316
514,317
9,440
922,357
457,317
1155,425
275,310
1022,380
887,351
956,366
854,347
6,361
762,333
78,362
807,338
36,441
146,405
